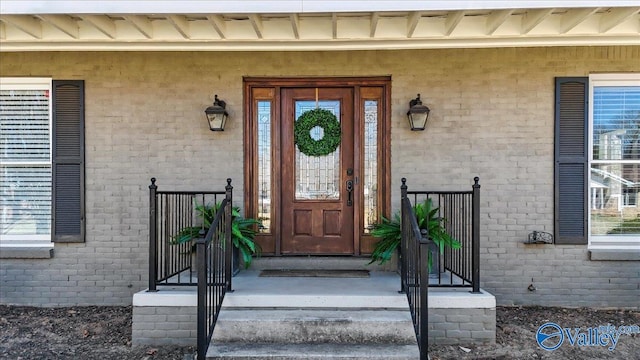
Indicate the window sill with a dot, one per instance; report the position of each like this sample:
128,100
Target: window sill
31,251
614,255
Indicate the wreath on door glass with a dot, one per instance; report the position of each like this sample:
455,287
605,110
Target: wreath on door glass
311,119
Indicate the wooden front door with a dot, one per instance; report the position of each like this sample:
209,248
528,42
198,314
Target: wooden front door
317,196
302,201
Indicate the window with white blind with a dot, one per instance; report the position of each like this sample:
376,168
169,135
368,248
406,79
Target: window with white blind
614,176
25,159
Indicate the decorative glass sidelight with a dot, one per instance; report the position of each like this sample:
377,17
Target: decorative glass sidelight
370,183
264,165
317,177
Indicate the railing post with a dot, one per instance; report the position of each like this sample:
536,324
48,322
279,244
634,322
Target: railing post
153,241
403,237
476,236
202,271
228,246
424,298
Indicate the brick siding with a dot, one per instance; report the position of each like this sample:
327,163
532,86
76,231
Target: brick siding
492,117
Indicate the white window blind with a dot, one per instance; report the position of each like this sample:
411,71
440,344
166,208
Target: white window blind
25,159
616,123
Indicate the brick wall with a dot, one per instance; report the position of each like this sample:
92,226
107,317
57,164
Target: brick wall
492,117
462,326
164,325
176,325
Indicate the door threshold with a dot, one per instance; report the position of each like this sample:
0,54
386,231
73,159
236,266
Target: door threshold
320,263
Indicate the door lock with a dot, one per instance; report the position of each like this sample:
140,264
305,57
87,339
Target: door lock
349,192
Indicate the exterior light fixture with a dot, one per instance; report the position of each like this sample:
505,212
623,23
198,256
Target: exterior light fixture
417,114
217,115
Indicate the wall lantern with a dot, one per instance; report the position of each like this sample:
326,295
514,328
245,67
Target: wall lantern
217,115
417,114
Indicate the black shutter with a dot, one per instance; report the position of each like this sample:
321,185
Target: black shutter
68,219
571,163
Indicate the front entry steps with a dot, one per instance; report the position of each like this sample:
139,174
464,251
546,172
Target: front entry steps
314,351
314,318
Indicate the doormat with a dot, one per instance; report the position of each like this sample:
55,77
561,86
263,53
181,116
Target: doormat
316,273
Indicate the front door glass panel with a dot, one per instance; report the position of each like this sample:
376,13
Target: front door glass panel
264,165
370,183
317,177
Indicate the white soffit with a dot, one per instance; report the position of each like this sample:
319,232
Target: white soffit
312,24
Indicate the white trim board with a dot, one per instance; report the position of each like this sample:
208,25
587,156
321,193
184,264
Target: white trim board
16,7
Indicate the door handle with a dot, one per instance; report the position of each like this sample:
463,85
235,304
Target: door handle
349,192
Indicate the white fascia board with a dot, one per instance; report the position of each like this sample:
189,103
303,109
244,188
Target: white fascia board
451,5
22,7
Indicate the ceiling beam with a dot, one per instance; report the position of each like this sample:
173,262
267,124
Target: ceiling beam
103,23
452,21
373,26
575,17
26,24
533,18
334,25
63,23
495,19
295,25
217,21
181,24
256,22
412,22
142,24
616,16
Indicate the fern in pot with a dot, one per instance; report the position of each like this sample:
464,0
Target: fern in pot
389,231
243,231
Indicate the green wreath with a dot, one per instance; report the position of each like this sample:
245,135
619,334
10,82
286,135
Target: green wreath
309,120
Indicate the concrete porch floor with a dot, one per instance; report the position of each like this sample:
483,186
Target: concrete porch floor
251,290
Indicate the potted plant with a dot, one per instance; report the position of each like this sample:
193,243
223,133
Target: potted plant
243,232
390,233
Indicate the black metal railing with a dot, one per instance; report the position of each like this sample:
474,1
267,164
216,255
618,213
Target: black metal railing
414,272
214,256
172,215
460,215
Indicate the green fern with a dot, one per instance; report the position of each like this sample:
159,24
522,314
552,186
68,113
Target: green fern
243,231
390,232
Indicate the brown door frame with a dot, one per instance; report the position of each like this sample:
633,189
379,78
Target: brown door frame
269,89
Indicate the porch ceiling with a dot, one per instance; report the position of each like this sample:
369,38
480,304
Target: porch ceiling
307,30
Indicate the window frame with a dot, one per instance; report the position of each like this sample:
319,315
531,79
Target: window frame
33,83
606,242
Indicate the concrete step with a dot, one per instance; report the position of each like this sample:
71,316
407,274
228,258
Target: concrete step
319,263
249,351
315,326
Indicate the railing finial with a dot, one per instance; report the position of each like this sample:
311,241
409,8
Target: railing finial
153,183
403,188
228,181
476,181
